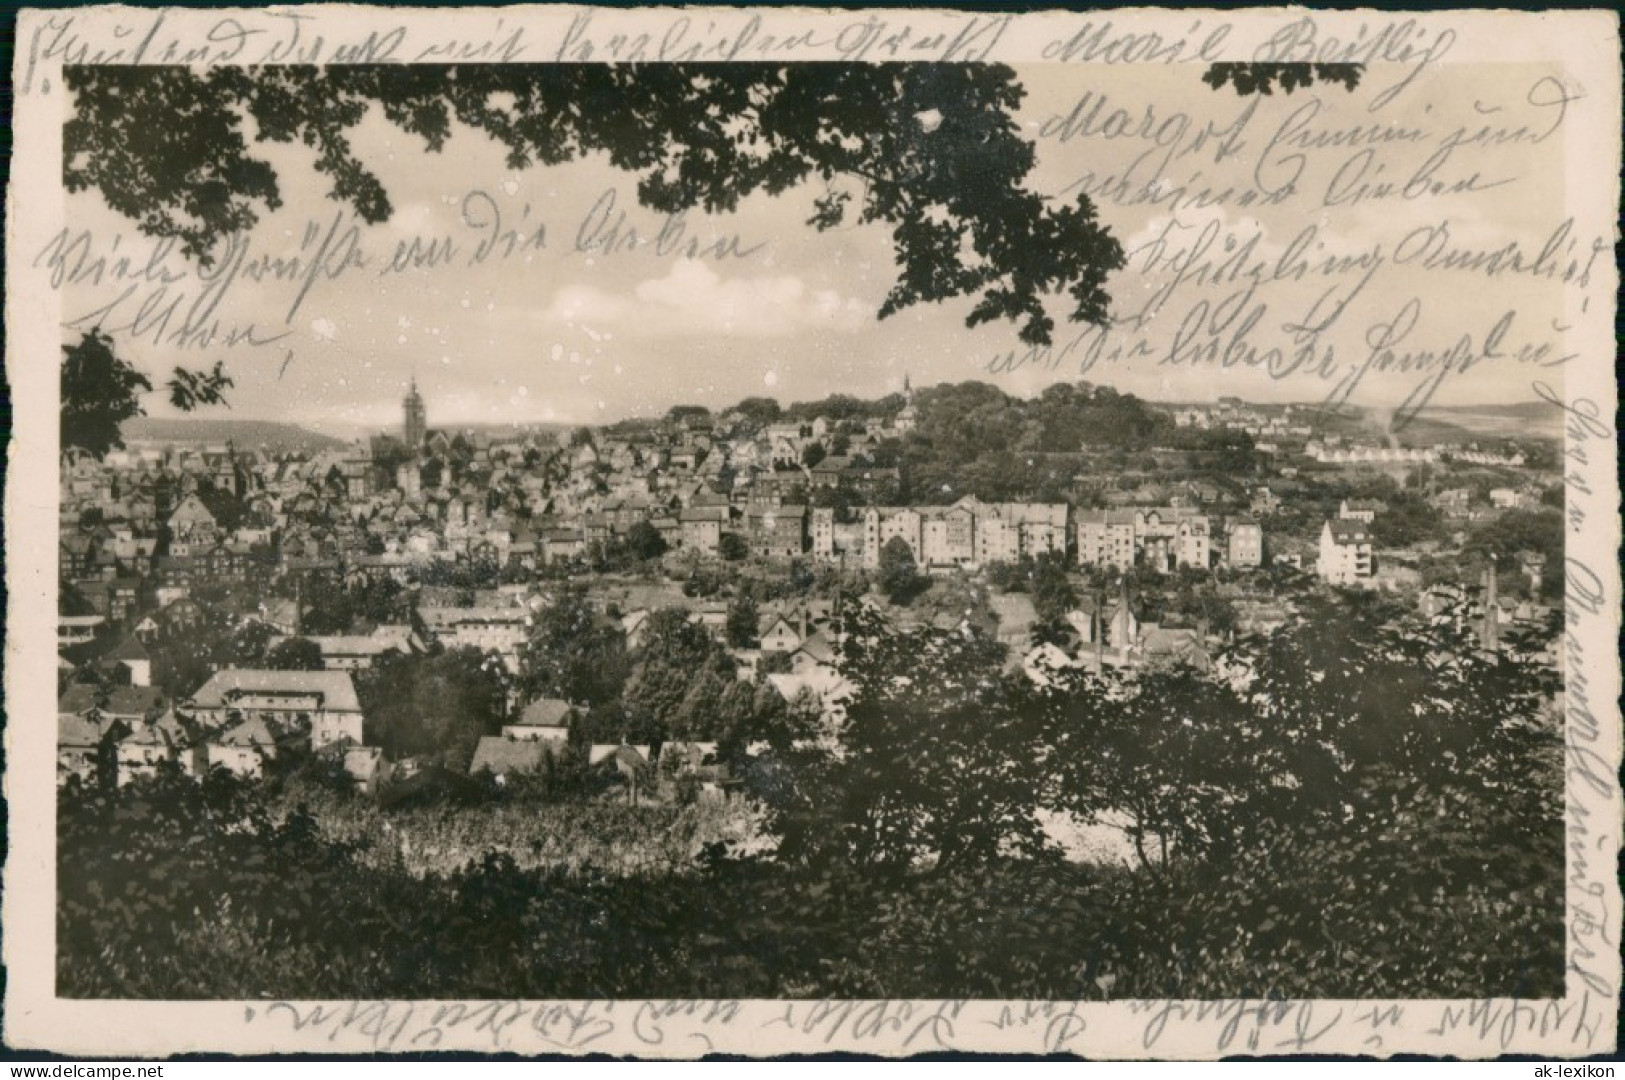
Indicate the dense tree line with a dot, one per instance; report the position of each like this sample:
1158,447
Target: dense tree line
1358,744
974,439
677,683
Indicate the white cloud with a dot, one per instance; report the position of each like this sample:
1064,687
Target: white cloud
694,300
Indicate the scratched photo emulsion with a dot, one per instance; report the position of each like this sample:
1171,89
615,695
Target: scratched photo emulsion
768,530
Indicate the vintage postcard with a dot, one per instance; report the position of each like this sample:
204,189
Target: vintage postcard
669,532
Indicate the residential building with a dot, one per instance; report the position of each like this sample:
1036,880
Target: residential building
322,704
244,748
151,744
1246,544
82,746
777,532
1107,538
1365,510
703,526
1161,537
489,628
1345,552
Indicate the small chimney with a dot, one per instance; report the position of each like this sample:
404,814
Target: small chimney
1492,611
1100,630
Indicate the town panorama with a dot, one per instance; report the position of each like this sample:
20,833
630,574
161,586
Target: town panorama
547,689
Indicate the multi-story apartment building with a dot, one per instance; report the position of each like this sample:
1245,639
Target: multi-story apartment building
1162,537
777,532
1107,538
881,524
491,628
1246,543
1346,555
703,526
1006,532
967,534
948,536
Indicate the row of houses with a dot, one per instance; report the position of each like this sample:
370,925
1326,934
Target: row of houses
972,533
966,534
239,720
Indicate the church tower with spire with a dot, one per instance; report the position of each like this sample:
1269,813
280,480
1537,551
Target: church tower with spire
416,420
909,416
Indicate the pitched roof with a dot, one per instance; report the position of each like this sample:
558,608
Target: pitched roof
1175,644
618,752
817,646
80,620
77,699
357,644
1106,517
1021,513
362,762
80,698
1349,530
502,755
824,682
79,731
545,712
252,733
129,649
768,620
440,617
335,687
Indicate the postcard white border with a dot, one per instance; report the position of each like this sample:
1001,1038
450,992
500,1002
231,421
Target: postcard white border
1583,1023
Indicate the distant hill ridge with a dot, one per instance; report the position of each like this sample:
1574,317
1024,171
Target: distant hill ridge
247,434
1526,419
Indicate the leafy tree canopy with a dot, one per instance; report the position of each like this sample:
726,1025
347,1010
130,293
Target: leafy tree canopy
1264,78
574,653
295,654
100,390
900,578
644,541
679,414
759,410
933,150
742,618
437,705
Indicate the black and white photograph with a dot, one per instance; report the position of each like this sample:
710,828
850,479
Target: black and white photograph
1076,534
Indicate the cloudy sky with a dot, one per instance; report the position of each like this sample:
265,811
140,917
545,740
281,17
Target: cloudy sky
562,334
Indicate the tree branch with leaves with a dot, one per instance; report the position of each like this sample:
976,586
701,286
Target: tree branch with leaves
100,391
930,150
